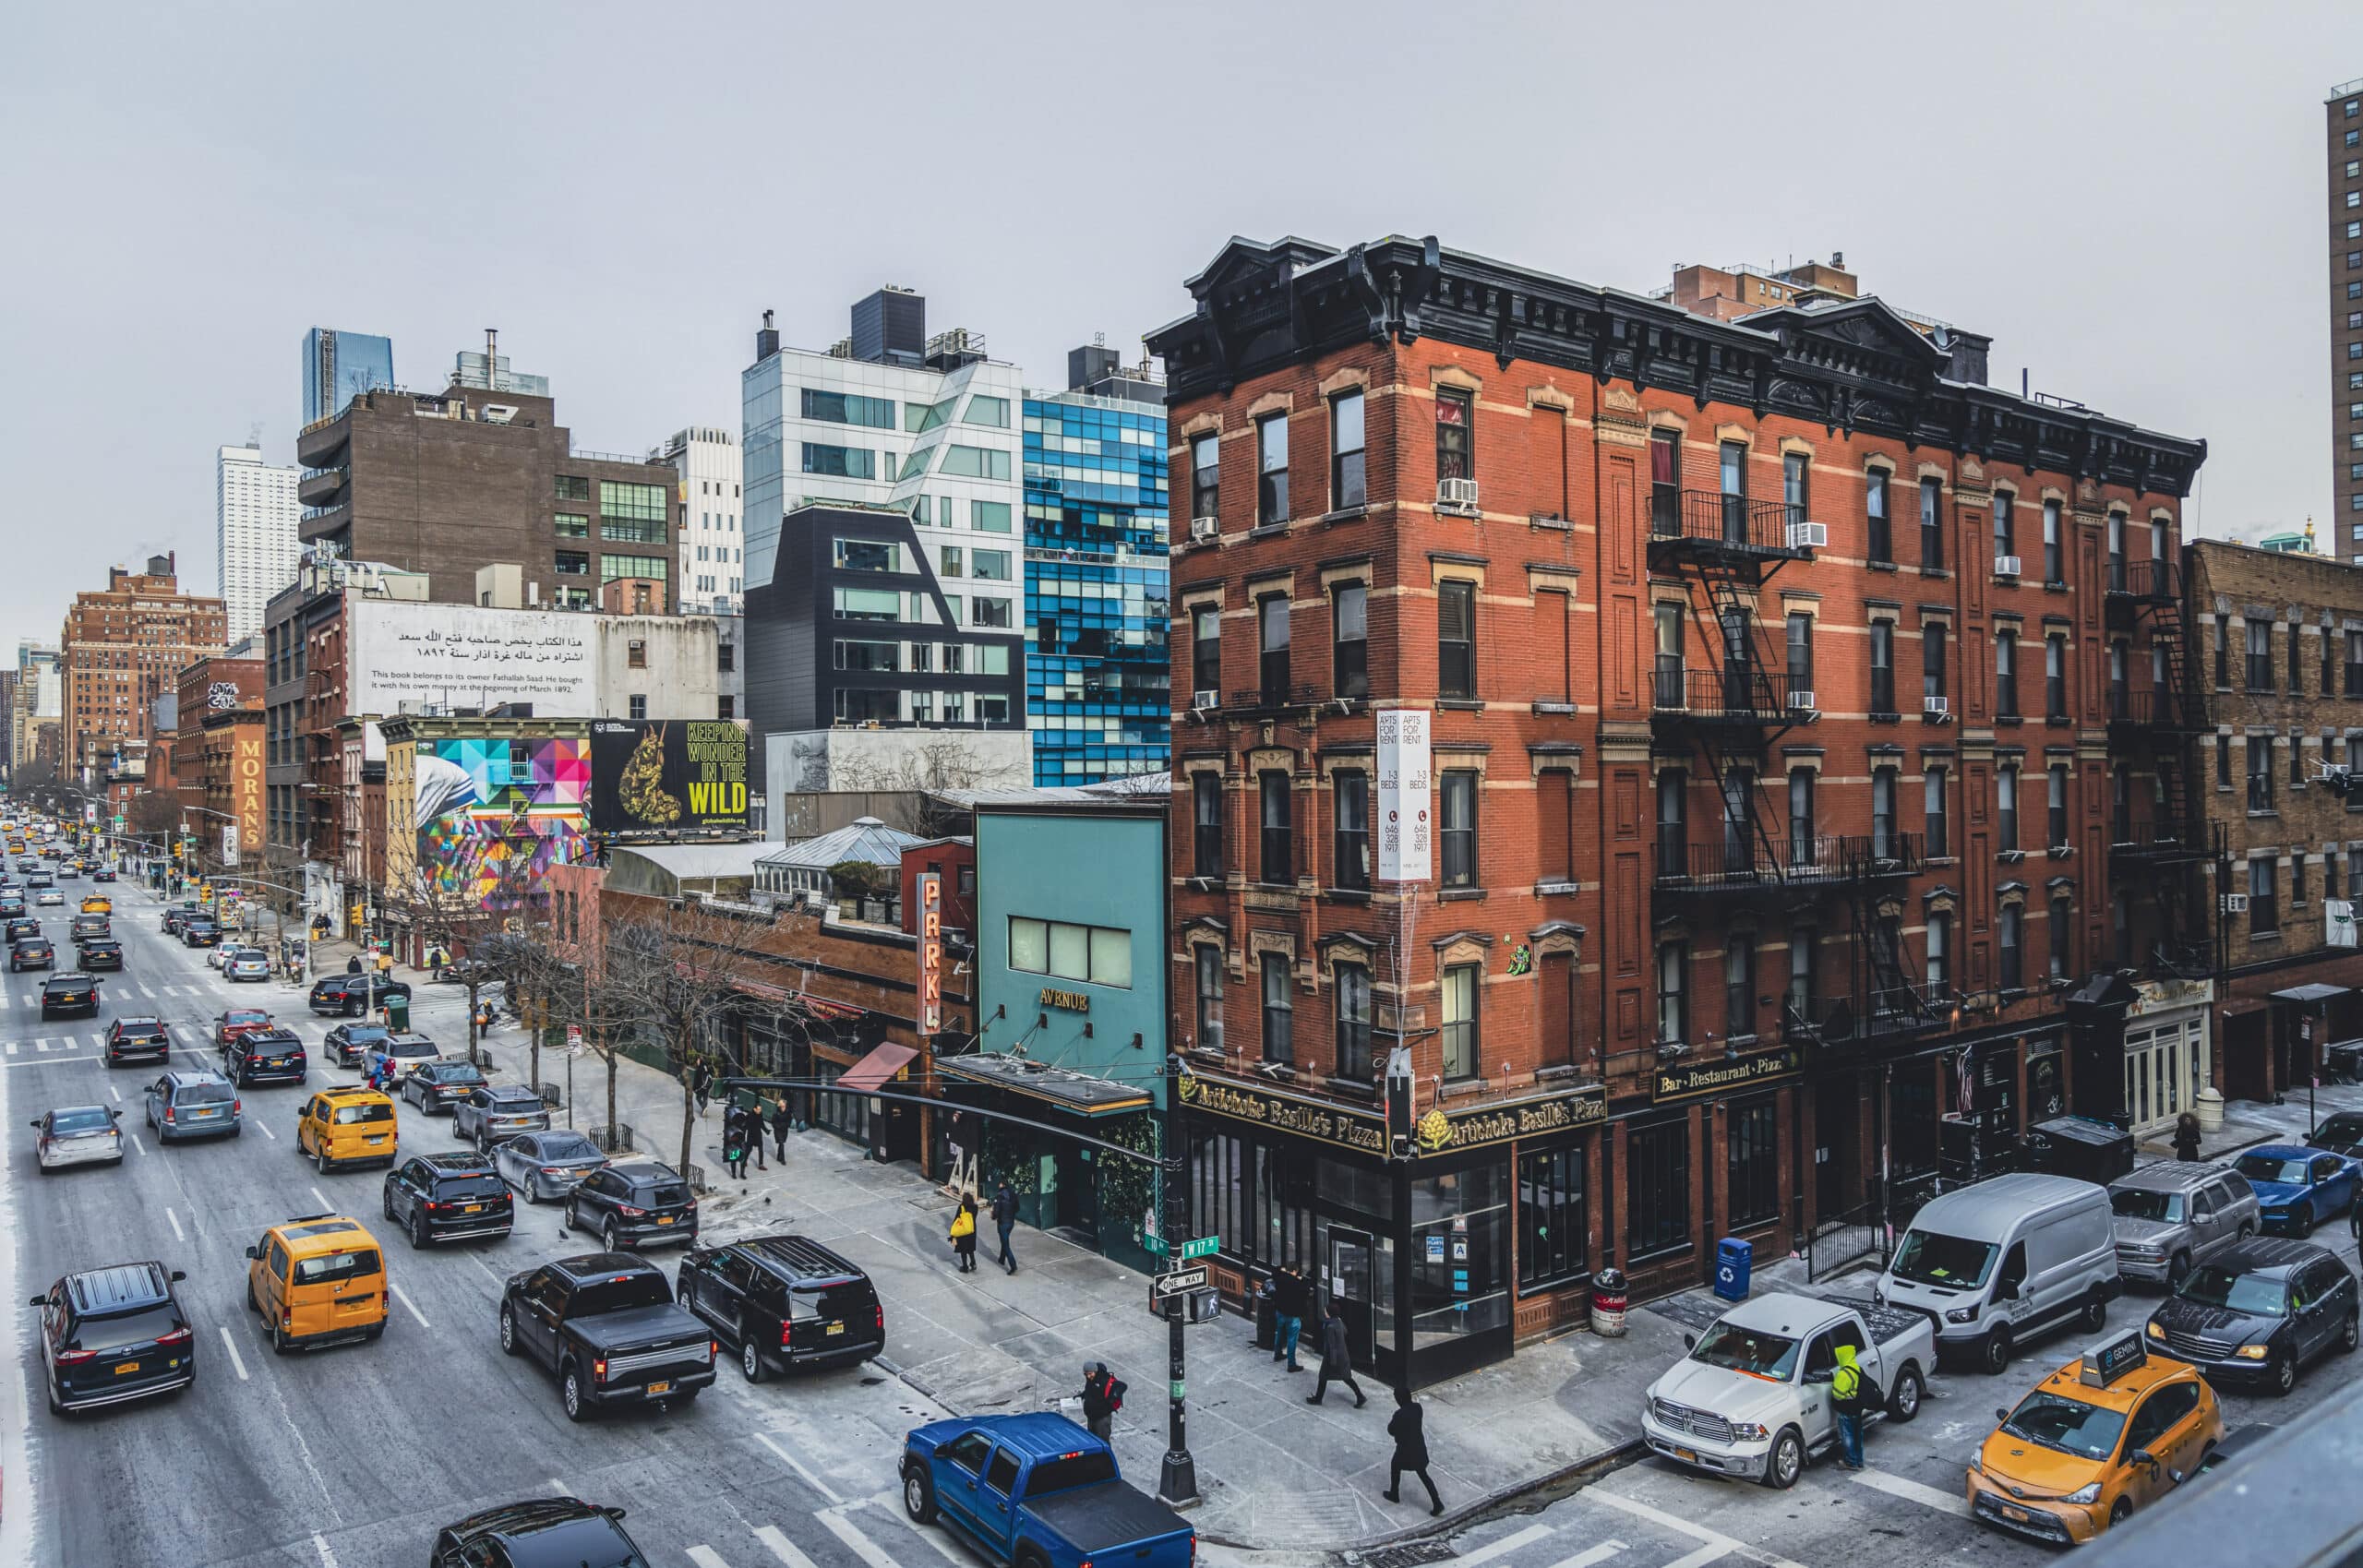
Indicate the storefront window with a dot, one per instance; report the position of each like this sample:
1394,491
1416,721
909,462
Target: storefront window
1659,1207
1216,1188
847,1116
1459,1278
1283,1206
1552,1226
1755,1163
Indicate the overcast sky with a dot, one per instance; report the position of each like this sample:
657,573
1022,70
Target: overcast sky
2131,199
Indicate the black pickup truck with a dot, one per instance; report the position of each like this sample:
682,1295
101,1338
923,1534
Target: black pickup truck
607,1325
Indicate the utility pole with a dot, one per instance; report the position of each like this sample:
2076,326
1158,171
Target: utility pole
1178,1478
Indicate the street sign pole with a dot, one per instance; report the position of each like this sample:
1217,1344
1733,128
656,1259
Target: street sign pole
1178,1478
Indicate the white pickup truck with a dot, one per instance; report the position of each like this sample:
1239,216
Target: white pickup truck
1752,1398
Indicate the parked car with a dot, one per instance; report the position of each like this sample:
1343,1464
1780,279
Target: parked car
2258,1311
784,1301
192,1103
217,956
494,1113
352,995
247,964
77,1135
101,952
2168,1216
175,918
112,1334
263,1056
70,994
633,1204
349,1045
447,1197
547,1166
548,1532
2341,1134
317,1279
138,1037
1037,1488
439,1085
607,1325
1998,1263
236,1021
30,953
2298,1188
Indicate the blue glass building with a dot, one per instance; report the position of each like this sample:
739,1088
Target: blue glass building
1097,690
340,366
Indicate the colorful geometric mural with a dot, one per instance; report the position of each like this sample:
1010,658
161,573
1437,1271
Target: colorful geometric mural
493,814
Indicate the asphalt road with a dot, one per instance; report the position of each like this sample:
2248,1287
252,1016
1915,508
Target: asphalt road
352,1457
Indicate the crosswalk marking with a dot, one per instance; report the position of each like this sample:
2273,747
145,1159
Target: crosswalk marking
1914,1491
1502,1547
1722,1544
1713,1552
1591,1556
793,1463
146,991
850,1533
706,1557
14,1046
779,1546
41,1045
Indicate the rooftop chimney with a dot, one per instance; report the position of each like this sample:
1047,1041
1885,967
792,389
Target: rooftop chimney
766,340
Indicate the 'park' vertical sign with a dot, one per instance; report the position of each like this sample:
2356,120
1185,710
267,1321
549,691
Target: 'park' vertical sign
930,892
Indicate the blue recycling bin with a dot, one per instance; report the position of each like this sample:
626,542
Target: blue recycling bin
1734,1261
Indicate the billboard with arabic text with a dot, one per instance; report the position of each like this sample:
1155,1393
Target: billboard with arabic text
467,656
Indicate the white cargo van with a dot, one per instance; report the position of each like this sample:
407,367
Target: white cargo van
1996,1265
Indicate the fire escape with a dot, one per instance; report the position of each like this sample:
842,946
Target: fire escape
1726,711
2159,862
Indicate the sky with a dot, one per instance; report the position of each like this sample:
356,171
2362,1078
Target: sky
2131,199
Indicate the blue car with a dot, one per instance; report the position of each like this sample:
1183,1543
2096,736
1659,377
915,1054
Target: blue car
2298,1188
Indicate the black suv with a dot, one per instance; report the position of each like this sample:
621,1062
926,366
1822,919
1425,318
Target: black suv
130,1037
198,932
30,953
352,995
627,1204
349,1045
447,1197
21,926
114,1334
263,1056
175,918
65,994
101,952
536,1534
784,1301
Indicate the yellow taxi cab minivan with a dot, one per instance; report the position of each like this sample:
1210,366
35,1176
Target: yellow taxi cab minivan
2111,1432
97,903
340,1127
317,1280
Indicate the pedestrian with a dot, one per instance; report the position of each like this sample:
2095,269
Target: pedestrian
1337,1361
1851,1393
385,963
734,1146
752,1115
1103,1395
702,1082
1288,1315
1405,1427
777,1116
1005,1220
2186,1137
963,1233
353,964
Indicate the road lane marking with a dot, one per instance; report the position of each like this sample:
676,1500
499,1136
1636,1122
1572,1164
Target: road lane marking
177,1233
237,1362
779,1546
1914,1491
137,1145
706,1557
117,1092
1502,1547
1592,1556
1712,1552
320,1545
846,1530
560,1487
403,1297
146,992
264,1128
793,1463
14,1046
1681,1525
322,1199
83,1056
41,1045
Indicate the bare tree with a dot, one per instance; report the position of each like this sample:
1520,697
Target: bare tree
470,925
154,813
919,775
675,979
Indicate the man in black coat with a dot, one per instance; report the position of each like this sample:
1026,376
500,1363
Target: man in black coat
1287,1313
1005,1221
1337,1361
1405,1427
1103,1395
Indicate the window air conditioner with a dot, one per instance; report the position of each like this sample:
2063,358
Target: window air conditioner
2006,566
1936,707
1802,701
2236,903
1456,495
1808,536
1203,528
1201,701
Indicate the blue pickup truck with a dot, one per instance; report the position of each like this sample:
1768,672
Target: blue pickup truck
1037,1492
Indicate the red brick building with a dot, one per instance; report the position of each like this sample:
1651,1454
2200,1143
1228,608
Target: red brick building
1748,646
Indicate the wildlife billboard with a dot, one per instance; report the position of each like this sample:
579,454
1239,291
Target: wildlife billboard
667,775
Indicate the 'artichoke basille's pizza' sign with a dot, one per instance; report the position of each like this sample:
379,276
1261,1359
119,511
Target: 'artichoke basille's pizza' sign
667,775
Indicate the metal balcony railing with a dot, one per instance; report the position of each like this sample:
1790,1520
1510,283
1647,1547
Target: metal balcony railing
2155,580
1710,520
1887,1011
1736,863
2156,707
2154,844
1746,694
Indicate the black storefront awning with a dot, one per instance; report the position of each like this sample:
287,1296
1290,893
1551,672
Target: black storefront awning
1079,1094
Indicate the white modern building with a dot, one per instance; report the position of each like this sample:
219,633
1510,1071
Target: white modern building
891,415
713,569
254,529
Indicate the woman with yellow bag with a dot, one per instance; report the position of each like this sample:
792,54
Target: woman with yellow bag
963,1233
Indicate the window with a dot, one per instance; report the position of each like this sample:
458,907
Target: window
2264,914
2054,568
571,563
635,654
1658,1190
1206,812
1353,1022
1273,790
868,604
984,516
1882,540
1674,973
1349,641
1280,1010
2260,756
572,525
1347,481
847,408
1552,1229
1206,651
2010,976
1209,998
1101,955
1674,854
1932,794
976,462
1739,986
725,706
2063,929
1272,635
1457,638
987,411
869,555
2222,762
990,565
1272,469
2260,641
1932,660
1665,482
1455,422
1796,473
1731,473
1205,476
1459,828
639,705
1799,998
2005,674
2058,790
1940,950
1802,849
2115,552
2055,675
844,463
1883,668
2353,684
2216,636
2297,665
2327,644
726,657
1755,1184
1883,813
1932,529
612,567
2297,879
1350,805
573,487
2298,760
1460,1031
2004,527
1800,628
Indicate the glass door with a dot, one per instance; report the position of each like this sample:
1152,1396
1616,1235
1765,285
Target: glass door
1350,1287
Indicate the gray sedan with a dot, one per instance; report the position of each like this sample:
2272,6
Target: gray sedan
547,1166
247,964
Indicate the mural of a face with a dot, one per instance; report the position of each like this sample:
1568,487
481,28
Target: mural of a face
495,814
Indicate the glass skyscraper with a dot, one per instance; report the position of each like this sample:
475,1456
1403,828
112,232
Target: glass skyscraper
339,366
1097,690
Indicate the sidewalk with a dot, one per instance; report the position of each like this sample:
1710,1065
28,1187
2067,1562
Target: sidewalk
1274,1472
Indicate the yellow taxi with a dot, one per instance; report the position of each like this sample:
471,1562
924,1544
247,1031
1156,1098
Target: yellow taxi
339,1127
318,1279
97,903
2111,1432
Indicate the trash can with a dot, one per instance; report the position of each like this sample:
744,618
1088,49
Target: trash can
398,1014
1608,1301
1734,1261
1267,1320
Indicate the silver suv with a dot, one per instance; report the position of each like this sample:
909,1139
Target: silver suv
2172,1214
